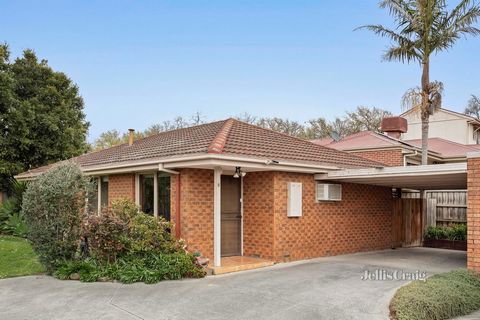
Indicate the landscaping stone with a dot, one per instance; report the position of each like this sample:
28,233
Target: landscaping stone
74,276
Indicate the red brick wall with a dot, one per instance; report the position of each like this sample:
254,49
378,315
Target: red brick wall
258,213
196,210
391,157
121,186
473,214
362,221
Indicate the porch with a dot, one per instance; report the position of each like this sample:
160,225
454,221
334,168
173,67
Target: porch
239,263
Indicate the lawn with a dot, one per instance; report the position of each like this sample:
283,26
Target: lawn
442,296
17,258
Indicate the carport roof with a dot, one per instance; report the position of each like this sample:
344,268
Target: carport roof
429,177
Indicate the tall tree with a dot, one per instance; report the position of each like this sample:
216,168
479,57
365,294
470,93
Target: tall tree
108,139
317,129
42,119
365,118
424,27
473,107
289,127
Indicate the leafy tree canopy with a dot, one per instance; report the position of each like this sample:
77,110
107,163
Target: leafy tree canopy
473,107
41,115
363,118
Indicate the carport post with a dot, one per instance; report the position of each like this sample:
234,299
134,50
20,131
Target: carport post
473,211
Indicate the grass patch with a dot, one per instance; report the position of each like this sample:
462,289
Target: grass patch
17,258
442,296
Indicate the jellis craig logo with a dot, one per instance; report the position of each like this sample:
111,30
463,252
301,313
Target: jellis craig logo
393,275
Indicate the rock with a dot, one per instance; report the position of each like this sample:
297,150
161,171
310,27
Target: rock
202,261
74,276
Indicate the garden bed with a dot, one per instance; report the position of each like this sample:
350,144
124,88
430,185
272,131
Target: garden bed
446,244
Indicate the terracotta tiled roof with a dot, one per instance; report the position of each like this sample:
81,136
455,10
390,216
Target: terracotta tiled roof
229,137
247,139
364,140
446,148
323,141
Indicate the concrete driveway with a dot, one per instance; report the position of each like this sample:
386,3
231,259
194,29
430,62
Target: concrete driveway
324,288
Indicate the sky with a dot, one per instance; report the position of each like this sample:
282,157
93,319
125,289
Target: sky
143,62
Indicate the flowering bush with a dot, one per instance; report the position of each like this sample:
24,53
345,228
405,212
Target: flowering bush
105,235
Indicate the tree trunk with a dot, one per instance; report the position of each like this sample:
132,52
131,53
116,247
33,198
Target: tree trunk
425,109
424,139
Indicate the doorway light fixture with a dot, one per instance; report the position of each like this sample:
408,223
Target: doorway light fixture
239,173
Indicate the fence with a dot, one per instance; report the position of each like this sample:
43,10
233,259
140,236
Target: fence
444,207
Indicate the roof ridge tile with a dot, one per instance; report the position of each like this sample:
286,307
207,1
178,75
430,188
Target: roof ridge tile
218,143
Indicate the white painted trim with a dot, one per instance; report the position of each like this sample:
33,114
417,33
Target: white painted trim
169,163
259,166
99,194
162,168
241,216
155,194
472,155
137,189
217,224
437,169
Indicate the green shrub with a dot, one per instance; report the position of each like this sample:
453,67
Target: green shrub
53,206
149,268
15,225
458,232
7,209
130,246
104,234
88,270
453,232
441,296
125,209
148,234
11,219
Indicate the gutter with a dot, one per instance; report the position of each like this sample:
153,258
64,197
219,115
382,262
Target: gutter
163,164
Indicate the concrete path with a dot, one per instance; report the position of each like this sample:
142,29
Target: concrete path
473,316
324,288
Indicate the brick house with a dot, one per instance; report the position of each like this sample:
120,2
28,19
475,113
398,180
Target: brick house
391,149
235,189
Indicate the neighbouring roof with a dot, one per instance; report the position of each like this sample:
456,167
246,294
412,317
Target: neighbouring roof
458,114
372,140
364,140
446,148
226,137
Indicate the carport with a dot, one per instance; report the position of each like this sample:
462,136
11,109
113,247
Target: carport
429,177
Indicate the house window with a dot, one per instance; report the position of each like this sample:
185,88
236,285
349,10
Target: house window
154,194
147,193
164,196
103,191
93,197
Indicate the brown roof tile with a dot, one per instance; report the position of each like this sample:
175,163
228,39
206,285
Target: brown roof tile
227,137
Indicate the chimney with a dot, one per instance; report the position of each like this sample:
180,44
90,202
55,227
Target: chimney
394,126
131,136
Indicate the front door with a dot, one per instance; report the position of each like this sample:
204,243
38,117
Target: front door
231,216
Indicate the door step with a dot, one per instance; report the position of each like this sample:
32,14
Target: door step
239,263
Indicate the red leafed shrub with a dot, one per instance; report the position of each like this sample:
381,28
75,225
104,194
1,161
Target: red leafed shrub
106,235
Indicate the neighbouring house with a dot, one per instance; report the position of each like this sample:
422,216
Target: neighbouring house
235,189
392,149
445,124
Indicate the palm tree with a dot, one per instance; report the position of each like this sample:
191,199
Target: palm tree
424,27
